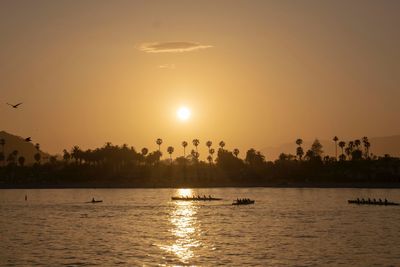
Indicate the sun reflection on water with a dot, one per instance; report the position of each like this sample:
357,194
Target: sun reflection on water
185,228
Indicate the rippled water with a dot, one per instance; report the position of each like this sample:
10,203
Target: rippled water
302,227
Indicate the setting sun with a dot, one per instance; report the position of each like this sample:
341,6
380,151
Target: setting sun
183,113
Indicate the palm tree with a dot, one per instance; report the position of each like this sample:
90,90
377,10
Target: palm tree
351,145
299,142
159,142
222,144
184,144
170,150
66,155
144,151
195,155
335,139
211,151
367,145
236,152
299,150
76,153
357,143
342,144
196,142
210,159
209,144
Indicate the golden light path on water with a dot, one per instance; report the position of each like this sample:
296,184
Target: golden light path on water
185,228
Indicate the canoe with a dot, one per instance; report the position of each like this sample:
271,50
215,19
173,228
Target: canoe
244,203
377,203
96,201
195,198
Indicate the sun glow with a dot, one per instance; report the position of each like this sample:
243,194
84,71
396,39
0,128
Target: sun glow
183,113
185,192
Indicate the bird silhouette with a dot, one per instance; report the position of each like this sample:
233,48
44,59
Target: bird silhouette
14,106
28,139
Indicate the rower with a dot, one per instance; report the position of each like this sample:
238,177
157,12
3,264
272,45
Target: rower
93,200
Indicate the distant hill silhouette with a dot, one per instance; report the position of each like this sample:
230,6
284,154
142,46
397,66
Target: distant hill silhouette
24,148
379,146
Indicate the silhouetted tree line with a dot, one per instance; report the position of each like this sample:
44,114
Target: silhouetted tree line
14,158
123,166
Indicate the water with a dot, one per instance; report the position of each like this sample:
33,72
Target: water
286,227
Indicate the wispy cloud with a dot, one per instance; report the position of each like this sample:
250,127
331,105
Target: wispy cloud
172,47
167,66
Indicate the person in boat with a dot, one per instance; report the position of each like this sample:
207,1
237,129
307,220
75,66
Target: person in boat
374,201
93,200
358,201
386,201
209,196
380,201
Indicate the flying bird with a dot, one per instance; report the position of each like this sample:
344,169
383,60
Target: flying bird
14,106
28,139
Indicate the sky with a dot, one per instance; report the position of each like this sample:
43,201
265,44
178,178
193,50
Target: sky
253,73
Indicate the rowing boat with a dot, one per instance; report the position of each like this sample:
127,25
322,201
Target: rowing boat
95,201
196,198
244,202
378,203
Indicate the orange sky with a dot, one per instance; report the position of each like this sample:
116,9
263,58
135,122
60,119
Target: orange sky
254,73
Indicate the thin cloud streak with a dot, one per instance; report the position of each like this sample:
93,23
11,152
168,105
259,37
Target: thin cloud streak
167,66
172,47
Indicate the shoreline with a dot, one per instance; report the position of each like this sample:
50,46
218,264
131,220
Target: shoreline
291,185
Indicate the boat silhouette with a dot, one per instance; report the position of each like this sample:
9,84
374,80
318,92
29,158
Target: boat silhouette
243,202
372,202
196,198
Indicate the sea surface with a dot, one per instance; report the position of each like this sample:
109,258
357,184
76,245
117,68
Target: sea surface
143,227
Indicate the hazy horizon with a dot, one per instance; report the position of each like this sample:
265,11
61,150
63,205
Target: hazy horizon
253,73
